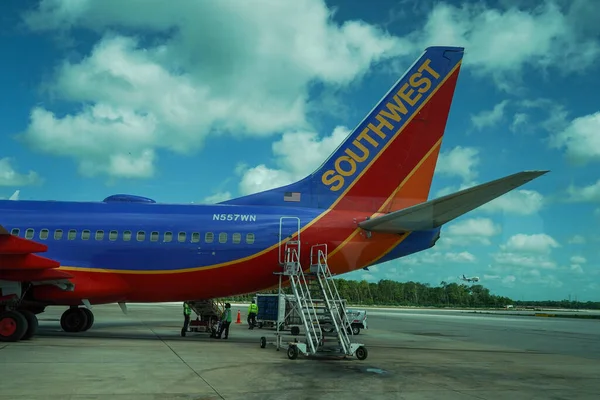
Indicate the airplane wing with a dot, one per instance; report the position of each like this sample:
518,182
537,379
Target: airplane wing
435,213
19,263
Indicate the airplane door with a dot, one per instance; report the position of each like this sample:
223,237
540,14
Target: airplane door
288,226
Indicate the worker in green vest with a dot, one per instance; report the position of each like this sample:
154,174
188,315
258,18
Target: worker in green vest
225,321
252,312
187,311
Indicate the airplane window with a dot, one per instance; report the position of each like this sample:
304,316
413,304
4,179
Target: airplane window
181,237
99,235
85,235
127,236
29,233
237,238
141,236
58,234
113,235
72,234
15,232
195,237
209,237
168,236
222,237
44,234
154,236
250,238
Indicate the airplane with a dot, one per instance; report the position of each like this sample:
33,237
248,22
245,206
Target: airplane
367,202
471,279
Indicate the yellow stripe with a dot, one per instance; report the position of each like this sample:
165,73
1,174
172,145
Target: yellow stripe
314,221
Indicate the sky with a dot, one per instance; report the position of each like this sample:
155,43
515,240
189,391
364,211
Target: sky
201,101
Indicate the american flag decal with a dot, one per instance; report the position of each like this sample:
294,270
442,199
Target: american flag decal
291,196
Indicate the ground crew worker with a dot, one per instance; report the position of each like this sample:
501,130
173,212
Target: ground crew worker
187,311
225,321
252,312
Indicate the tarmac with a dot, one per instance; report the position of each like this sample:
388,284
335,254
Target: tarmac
413,354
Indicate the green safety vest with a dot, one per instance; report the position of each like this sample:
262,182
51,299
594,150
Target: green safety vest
186,309
226,315
253,308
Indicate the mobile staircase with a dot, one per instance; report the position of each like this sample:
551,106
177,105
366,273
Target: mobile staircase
315,338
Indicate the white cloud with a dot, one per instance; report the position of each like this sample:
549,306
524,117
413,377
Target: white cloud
523,256
576,268
489,117
437,257
459,161
369,277
217,198
519,260
521,201
197,78
580,139
584,194
473,230
200,78
463,256
577,239
502,42
519,119
297,155
578,260
537,243
10,177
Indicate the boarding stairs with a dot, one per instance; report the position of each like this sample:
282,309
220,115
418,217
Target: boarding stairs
208,314
300,282
334,304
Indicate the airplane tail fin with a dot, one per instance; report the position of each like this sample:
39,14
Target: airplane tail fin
387,162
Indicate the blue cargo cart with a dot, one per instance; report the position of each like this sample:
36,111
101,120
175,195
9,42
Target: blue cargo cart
274,308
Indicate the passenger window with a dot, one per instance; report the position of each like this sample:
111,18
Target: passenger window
141,236
44,234
223,237
72,234
85,235
154,236
181,237
99,235
58,234
127,236
113,235
15,231
168,237
236,238
29,233
209,237
250,238
195,237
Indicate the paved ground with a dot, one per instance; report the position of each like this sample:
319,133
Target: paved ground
412,355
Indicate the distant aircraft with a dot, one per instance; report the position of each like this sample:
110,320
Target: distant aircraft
367,203
471,279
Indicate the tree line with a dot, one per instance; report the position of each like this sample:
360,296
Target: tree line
393,293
